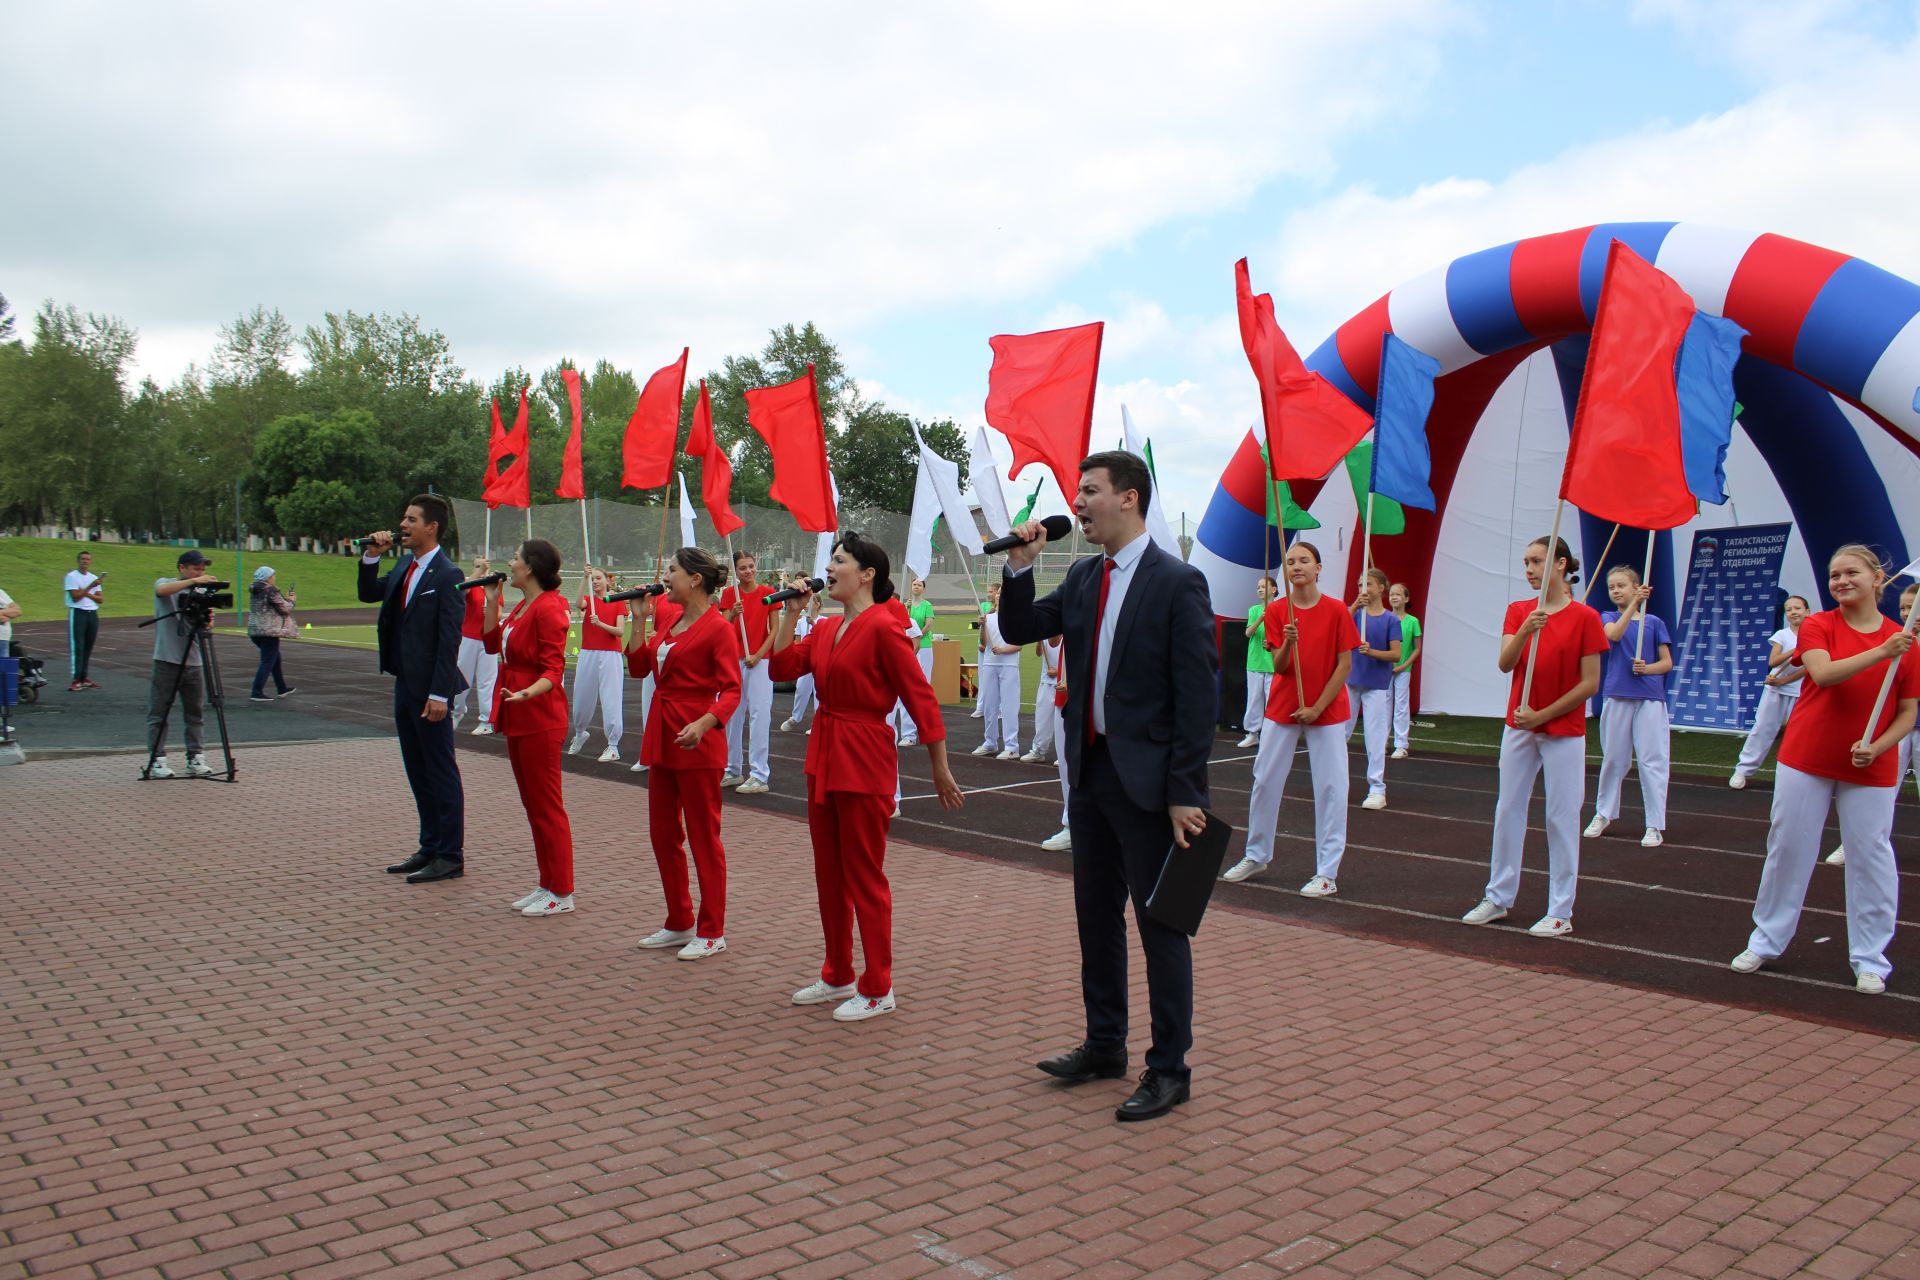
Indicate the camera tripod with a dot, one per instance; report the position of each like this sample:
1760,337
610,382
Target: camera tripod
200,636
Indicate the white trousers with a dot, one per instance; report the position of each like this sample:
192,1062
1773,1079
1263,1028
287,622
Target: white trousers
802,699
480,668
1635,728
1327,758
1060,759
1800,804
1000,694
903,725
1772,712
749,724
1523,756
1045,716
1402,708
597,677
1372,708
1258,685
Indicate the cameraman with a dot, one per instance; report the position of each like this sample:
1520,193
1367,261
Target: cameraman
175,669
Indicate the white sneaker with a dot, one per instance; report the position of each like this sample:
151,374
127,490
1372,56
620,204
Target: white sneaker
1867,984
579,741
895,813
1060,841
1245,869
482,729
1653,839
1319,887
548,905
1032,757
1486,913
701,948
610,756
638,767
159,769
731,780
1838,858
1374,800
789,725
1597,827
975,714
1011,753
820,993
1399,753
526,900
752,787
1551,927
985,749
661,939
908,742
1738,782
1747,962
457,718
1251,740
862,1007
197,767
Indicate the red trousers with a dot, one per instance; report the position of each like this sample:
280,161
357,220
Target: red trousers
695,795
849,841
536,768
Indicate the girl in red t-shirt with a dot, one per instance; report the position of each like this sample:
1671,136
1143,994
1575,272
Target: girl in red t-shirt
1547,734
600,672
1313,638
1825,764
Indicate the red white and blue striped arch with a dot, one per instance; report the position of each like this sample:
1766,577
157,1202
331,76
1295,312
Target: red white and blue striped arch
1829,438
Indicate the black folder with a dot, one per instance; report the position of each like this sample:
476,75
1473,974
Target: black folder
1180,897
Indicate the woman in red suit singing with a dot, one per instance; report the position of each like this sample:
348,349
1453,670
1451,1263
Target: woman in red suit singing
530,708
861,664
695,665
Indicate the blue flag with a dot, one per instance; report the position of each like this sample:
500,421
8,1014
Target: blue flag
1703,379
1402,465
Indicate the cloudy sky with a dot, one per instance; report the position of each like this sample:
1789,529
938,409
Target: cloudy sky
621,180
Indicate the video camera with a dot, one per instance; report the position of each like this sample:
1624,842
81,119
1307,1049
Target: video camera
199,601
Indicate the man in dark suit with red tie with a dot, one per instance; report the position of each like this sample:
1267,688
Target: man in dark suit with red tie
419,630
1141,703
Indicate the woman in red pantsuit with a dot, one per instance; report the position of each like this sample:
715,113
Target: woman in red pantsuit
695,665
530,708
862,664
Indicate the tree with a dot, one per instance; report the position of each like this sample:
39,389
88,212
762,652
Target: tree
784,358
322,476
875,460
60,416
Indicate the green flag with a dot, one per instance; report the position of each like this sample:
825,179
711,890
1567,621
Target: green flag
1389,517
1026,512
1282,511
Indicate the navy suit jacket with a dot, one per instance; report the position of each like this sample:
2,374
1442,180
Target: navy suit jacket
419,642
1161,689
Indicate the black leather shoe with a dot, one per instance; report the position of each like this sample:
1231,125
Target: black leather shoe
411,865
1087,1063
1156,1096
438,869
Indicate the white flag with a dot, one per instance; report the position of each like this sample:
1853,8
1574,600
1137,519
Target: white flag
686,514
1911,571
985,474
823,545
1157,527
926,510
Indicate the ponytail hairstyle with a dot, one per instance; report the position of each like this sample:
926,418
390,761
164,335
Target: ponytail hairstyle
1867,556
1560,551
1404,587
1633,574
1378,575
1272,586
1803,603
870,555
704,565
542,559
1306,546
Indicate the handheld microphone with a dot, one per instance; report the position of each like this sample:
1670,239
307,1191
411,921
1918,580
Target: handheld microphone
1057,527
635,593
363,543
484,580
785,594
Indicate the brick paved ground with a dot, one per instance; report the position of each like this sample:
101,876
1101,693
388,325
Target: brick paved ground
258,1056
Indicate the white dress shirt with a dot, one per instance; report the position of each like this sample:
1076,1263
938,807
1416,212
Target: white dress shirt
1125,561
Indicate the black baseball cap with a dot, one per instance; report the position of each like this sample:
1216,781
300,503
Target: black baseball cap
191,556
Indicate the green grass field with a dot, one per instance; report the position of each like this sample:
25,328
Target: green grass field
31,571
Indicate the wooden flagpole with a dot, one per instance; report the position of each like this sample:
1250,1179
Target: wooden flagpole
1546,581
1599,566
486,545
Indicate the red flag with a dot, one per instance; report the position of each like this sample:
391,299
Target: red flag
1626,461
648,449
788,419
512,487
1040,396
1310,425
716,469
572,484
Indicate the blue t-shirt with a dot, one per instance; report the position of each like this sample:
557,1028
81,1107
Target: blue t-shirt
1618,681
1376,633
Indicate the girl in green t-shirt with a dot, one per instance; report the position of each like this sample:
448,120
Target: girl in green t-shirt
1259,664
1398,597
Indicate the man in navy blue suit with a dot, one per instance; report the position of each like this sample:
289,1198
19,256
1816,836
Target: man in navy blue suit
1141,705
419,629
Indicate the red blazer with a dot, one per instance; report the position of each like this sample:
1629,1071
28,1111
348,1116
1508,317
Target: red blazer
699,674
860,669
531,642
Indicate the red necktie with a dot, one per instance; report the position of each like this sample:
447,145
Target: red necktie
1093,664
407,582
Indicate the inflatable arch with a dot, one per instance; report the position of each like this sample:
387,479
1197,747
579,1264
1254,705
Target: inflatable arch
1829,436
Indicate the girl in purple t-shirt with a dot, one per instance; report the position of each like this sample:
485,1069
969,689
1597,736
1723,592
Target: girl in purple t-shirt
1633,712
1370,684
